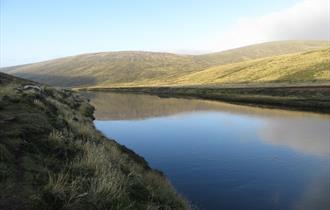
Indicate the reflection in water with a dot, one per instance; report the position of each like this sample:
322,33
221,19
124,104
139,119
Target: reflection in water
316,194
264,158
305,132
117,106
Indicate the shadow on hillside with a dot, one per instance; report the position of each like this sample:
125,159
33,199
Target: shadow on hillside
61,81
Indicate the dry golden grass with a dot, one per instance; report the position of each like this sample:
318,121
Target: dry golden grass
302,67
150,68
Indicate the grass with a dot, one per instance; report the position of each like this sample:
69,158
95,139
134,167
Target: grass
312,66
151,68
52,157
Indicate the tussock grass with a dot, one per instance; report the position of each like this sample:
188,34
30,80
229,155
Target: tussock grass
39,103
54,158
56,135
60,191
7,90
5,155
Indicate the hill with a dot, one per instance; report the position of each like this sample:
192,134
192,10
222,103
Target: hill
263,50
133,68
52,157
307,67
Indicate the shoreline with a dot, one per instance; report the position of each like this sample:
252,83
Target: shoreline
300,98
52,156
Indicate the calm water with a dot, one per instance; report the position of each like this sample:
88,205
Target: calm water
223,156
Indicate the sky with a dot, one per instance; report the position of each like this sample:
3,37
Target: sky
37,30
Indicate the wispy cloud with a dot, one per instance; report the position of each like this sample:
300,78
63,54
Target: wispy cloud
306,20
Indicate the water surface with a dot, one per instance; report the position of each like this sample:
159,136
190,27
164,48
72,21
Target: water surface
223,156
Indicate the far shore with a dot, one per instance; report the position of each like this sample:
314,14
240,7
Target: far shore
304,97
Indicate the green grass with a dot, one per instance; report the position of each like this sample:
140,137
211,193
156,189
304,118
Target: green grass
149,68
52,157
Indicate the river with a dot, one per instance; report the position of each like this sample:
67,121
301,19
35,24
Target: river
224,156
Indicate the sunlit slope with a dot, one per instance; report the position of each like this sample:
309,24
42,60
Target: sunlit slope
147,68
312,66
263,50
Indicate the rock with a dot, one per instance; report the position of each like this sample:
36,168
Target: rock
33,87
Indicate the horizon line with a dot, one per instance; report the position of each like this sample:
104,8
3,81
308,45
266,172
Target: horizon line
174,52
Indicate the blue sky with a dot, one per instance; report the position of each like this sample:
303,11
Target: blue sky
36,30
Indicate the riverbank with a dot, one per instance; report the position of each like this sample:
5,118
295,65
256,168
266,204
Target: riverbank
315,98
52,157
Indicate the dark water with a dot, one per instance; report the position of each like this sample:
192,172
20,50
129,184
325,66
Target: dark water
223,156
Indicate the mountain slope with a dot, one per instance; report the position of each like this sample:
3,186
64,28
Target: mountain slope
52,157
119,68
312,66
262,50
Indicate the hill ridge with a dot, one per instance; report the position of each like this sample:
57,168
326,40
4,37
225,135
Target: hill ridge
122,67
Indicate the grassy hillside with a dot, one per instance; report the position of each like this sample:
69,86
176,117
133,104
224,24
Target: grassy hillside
53,158
312,66
112,67
263,50
133,68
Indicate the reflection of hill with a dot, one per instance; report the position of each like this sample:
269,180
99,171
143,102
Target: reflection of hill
117,106
301,131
